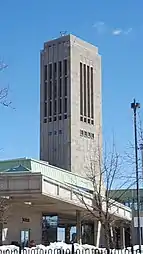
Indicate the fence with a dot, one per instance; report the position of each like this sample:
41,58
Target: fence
72,250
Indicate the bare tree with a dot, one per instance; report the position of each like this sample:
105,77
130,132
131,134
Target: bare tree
129,154
104,172
140,143
4,91
4,202
4,208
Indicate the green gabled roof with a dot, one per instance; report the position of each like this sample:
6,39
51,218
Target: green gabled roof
17,169
48,170
7,164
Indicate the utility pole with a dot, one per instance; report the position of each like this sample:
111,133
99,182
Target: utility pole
135,106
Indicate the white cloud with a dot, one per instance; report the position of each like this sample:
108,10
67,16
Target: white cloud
100,26
129,30
120,31
117,32
99,23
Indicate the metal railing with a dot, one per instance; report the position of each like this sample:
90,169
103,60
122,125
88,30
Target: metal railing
71,250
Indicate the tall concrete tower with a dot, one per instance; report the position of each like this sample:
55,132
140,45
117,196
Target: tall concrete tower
70,103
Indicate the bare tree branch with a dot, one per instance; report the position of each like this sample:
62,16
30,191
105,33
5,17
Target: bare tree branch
4,91
103,172
4,208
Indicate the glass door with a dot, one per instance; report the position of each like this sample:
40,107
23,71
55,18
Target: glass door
24,237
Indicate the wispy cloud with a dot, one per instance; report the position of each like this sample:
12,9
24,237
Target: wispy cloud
102,28
129,30
117,31
120,31
99,24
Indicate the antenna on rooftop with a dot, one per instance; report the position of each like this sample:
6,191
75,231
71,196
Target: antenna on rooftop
63,33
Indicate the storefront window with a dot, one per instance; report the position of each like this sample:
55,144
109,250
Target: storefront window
60,234
57,228
49,229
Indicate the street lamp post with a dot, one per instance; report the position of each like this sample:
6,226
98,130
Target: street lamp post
135,106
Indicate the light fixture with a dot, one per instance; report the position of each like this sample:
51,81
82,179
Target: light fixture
27,203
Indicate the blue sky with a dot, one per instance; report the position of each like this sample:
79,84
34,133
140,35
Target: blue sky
116,27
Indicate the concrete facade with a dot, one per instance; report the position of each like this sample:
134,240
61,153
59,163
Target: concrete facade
34,194
16,225
70,136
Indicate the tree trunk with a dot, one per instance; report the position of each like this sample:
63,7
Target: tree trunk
107,235
1,230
